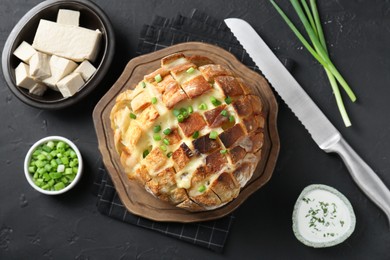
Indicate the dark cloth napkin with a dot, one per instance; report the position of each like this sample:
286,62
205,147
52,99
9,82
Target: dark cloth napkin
161,33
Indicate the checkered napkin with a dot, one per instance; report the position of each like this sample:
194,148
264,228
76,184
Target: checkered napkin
164,32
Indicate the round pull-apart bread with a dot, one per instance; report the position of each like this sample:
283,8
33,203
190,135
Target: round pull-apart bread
191,132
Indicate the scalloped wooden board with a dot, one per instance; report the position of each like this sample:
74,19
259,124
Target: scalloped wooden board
133,196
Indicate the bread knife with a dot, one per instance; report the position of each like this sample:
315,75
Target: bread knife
327,137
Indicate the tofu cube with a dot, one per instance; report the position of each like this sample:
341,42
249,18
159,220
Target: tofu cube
69,17
69,85
40,66
86,69
71,42
23,78
38,89
24,52
59,67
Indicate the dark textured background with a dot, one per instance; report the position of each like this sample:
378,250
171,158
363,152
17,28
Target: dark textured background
34,226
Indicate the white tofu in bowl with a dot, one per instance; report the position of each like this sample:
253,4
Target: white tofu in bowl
59,18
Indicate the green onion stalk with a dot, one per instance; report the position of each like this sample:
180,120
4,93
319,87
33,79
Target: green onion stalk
311,21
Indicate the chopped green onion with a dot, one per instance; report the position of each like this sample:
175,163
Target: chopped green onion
158,78
224,151
39,182
61,168
167,131
46,177
72,154
163,147
46,148
41,171
166,141
48,167
190,70
180,118
59,186
55,175
195,134
215,101
65,160
64,180
169,155
176,112
202,106
185,114
133,116
157,137
145,153
68,171
231,119
41,157
154,100
213,135
60,145
156,128
143,84
228,100
51,182
72,163
190,110
224,113
53,163
202,188
40,164
50,144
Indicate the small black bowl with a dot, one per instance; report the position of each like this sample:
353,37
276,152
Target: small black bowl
91,17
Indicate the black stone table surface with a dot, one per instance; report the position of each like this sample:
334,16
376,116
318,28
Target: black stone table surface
35,226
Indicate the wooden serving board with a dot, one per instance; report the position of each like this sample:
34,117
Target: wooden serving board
133,196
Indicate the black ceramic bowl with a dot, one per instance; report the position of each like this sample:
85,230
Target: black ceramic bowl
91,17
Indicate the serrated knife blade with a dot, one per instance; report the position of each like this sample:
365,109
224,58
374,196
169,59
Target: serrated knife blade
327,137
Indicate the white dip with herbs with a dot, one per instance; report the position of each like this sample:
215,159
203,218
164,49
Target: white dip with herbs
322,217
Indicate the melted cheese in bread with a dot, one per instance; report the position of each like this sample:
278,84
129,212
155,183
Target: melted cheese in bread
200,147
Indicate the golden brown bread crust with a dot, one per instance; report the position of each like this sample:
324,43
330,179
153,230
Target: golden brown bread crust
181,156
230,136
171,92
194,122
211,71
196,87
214,117
191,133
199,60
229,85
163,186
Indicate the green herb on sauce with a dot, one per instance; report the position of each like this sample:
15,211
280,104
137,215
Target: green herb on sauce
321,216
